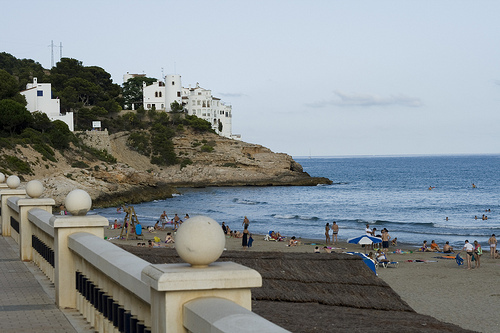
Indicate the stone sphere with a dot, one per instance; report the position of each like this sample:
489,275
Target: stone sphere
13,182
34,188
78,202
200,241
2,177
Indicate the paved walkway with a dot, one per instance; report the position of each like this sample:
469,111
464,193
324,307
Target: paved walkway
27,298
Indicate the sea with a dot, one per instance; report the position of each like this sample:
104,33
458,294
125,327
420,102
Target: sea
417,198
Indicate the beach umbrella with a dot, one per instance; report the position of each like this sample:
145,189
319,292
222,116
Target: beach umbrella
364,240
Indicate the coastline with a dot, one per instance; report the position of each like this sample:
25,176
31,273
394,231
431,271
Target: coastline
438,287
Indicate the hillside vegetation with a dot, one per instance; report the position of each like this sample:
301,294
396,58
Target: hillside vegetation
150,151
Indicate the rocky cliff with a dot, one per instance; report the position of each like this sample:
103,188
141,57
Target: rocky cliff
134,179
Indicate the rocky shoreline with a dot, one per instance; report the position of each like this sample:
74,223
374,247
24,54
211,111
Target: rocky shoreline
133,179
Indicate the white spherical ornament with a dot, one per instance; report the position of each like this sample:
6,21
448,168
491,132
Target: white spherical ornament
13,182
34,188
2,177
78,202
200,241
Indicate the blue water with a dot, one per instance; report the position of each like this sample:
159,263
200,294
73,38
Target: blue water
390,192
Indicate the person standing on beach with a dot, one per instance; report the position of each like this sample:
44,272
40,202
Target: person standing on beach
163,219
335,232
469,248
493,246
368,231
385,239
246,222
478,252
244,241
327,233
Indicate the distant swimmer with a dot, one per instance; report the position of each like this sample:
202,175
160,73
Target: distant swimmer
431,187
473,185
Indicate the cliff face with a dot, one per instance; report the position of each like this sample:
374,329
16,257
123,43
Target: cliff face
134,179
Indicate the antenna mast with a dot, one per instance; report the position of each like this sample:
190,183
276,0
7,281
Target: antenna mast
51,53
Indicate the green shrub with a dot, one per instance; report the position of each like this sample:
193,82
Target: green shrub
139,141
79,164
46,152
207,149
185,162
16,165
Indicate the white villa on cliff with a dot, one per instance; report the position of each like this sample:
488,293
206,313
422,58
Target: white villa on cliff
39,98
197,101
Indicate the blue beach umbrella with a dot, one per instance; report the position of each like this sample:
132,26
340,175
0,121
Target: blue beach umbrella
364,240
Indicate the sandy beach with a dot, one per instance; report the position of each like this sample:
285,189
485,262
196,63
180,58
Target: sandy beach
437,287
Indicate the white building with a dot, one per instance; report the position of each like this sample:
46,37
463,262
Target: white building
197,101
39,98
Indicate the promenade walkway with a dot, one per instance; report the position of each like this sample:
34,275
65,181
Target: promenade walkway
27,298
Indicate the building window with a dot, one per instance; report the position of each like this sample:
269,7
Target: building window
159,94
149,106
173,83
39,92
156,94
199,102
178,94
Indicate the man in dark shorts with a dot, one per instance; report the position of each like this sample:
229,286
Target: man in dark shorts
385,239
335,232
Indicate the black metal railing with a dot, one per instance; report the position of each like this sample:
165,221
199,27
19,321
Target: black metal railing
109,308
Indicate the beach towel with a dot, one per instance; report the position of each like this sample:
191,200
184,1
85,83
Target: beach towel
459,259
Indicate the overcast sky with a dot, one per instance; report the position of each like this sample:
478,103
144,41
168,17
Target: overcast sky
320,78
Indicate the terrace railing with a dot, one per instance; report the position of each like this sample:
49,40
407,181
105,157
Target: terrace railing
115,290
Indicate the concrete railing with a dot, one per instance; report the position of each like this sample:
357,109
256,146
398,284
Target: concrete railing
119,292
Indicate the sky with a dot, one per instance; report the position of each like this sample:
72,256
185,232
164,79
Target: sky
306,78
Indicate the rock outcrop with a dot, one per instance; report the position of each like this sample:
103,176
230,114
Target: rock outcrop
134,179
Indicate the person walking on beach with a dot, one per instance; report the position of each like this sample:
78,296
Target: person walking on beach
327,233
469,248
493,246
335,232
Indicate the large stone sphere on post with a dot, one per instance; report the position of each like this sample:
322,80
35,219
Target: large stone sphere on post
34,188
78,202
200,241
13,182
2,177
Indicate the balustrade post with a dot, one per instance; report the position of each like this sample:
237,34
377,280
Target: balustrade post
78,203
8,190
199,241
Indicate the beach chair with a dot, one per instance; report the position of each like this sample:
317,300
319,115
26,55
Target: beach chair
386,264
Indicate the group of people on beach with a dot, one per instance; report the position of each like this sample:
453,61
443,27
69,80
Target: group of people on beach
384,236
164,220
473,250
335,231
246,236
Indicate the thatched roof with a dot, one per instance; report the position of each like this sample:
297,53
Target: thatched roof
307,292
